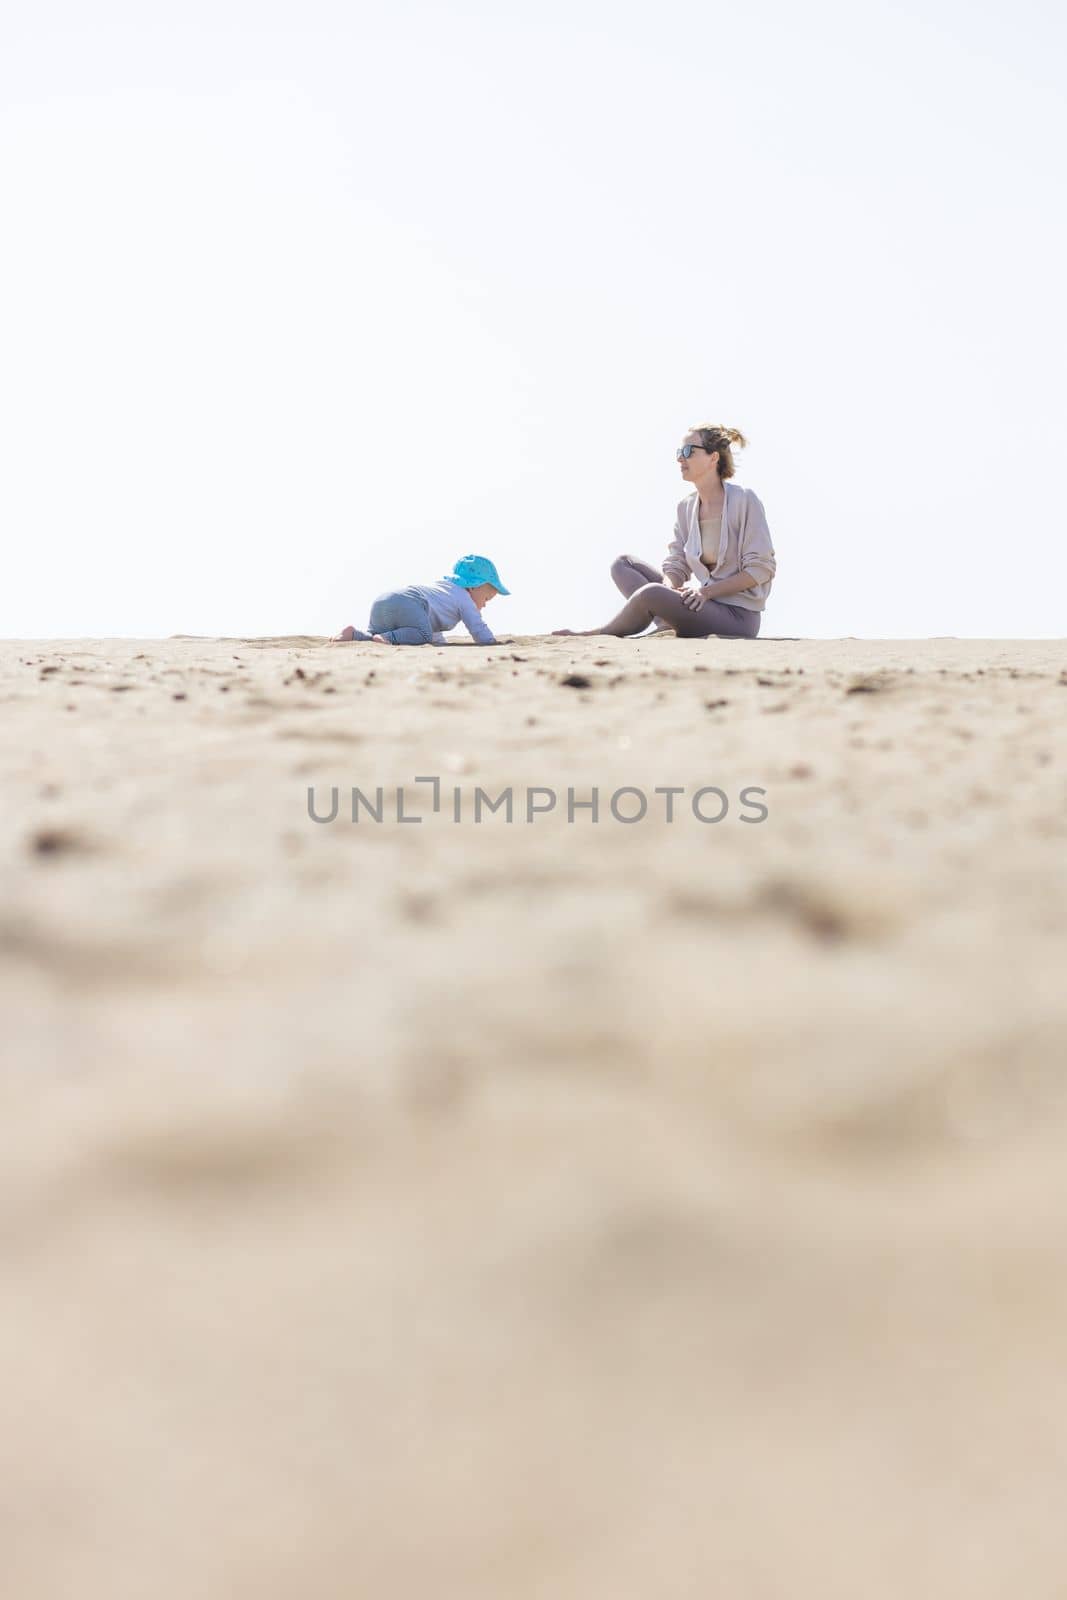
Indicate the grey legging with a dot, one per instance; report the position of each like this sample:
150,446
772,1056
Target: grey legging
650,599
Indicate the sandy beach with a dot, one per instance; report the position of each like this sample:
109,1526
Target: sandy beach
546,1206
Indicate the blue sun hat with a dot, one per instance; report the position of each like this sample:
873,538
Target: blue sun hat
471,570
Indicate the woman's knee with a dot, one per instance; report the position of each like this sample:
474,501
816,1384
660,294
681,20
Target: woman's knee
621,564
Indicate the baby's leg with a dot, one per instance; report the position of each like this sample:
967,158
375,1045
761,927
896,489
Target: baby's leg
403,636
401,619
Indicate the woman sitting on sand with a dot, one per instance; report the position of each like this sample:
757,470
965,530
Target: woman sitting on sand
720,563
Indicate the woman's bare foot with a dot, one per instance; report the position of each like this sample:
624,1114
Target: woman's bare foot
345,636
574,633
379,638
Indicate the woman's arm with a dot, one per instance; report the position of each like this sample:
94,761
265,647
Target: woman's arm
694,598
756,549
675,565
726,586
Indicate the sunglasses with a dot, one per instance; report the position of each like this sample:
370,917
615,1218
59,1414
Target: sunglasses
686,451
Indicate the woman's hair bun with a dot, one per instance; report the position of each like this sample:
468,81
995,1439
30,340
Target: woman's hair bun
715,437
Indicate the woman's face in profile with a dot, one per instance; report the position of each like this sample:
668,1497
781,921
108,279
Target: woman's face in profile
696,465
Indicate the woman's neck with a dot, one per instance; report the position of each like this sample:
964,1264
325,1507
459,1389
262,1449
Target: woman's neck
712,494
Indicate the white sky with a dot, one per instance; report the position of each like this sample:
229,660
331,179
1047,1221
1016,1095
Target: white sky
300,300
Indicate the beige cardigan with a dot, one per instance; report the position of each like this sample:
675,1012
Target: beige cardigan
744,546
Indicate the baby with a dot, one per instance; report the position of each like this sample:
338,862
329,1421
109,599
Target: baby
423,612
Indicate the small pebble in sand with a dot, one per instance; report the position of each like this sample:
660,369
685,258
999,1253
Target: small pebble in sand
56,842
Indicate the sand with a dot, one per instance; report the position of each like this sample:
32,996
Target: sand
549,1208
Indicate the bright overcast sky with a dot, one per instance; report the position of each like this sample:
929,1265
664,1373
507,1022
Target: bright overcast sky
302,299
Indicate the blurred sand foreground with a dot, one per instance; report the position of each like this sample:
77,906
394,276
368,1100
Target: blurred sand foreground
570,1210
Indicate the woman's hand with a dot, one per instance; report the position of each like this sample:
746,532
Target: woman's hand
693,599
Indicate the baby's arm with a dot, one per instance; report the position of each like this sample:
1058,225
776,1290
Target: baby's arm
479,631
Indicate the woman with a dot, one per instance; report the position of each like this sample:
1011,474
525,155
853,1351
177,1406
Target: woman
720,563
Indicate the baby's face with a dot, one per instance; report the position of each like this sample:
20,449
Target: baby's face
482,593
